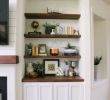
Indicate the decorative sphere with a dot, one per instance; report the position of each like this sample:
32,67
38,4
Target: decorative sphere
34,24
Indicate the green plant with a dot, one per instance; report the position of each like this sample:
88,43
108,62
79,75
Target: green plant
38,67
29,46
97,60
47,25
69,46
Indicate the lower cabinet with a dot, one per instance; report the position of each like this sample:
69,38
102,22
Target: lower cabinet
53,91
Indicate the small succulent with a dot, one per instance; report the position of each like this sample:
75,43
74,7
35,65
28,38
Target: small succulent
97,60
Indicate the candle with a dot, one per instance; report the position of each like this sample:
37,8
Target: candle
54,51
33,51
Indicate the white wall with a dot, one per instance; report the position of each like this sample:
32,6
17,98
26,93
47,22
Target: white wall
100,45
63,6
100,91
9,69
20,47
101,9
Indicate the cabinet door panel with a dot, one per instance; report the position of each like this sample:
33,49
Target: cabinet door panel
77,92
30,92
45,92
61,92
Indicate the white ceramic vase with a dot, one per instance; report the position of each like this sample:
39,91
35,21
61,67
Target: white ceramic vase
95,72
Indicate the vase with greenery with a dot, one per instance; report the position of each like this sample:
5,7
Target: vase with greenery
97,61
70,50
28,49
49,27
38,67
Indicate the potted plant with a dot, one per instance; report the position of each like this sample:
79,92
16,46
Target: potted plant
97,61
38,68
69,46
49,27
28,49
70,50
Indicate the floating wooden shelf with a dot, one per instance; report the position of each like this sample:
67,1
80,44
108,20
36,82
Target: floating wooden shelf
51,16
77,57
9,59
51,36
53,79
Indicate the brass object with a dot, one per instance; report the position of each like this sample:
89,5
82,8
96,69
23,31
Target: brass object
33,51
35,25
33,74
54,51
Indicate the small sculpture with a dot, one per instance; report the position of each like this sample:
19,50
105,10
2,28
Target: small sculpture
34,25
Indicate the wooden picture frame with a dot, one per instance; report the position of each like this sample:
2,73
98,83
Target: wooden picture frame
50,66
42,49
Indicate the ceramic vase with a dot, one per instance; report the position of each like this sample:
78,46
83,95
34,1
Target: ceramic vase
95,72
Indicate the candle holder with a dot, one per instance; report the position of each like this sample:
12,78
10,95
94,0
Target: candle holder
54,51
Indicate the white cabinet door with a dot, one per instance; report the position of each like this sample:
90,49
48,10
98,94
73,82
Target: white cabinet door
61,91
30,91
46,91
77,92
53,91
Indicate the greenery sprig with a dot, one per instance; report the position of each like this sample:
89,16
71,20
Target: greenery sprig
29,46
53,26
97,60
69,46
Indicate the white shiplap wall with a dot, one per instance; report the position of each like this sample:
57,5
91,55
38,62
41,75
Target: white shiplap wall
11,48
8,70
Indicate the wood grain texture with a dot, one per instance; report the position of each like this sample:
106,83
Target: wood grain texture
51,16
53,79
51,36
9,59
75,57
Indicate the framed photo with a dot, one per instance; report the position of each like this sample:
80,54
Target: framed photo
42,49
50,66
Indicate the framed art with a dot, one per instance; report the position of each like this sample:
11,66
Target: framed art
50,66
42,49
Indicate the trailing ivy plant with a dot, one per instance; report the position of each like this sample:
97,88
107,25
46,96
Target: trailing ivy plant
97,60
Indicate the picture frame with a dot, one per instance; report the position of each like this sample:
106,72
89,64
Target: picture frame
42,49
50,66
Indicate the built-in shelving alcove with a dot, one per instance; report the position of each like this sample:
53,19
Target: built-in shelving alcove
100,46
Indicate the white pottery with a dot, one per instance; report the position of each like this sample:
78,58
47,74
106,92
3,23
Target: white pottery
29,68
95,72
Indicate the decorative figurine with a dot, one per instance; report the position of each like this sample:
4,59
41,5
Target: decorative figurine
35,25
59,71
29,68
